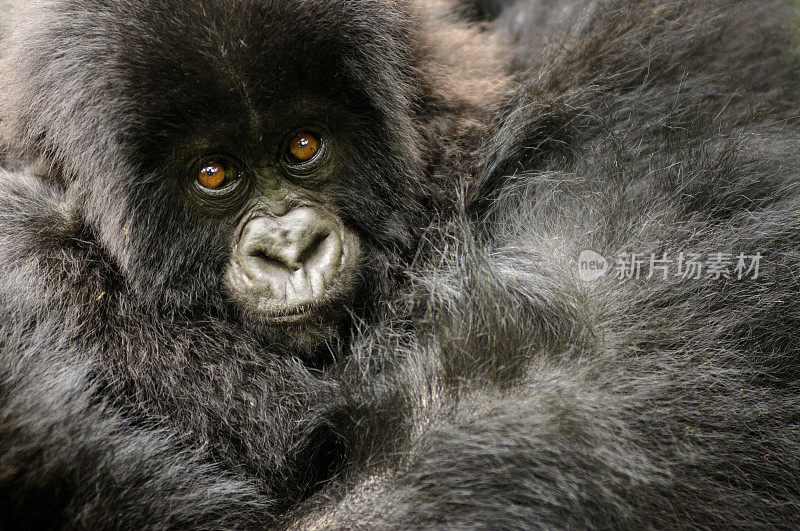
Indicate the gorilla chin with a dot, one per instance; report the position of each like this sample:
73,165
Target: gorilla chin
293,275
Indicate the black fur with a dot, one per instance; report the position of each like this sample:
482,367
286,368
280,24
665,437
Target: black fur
529,398
172,410
483,10
486,385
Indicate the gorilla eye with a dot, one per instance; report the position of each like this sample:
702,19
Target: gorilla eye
304,147
217,175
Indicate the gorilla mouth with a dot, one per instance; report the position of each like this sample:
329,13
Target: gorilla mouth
289,309
296,315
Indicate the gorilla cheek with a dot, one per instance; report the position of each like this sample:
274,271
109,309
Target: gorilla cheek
295,268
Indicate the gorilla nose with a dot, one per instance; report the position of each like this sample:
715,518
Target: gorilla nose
292,258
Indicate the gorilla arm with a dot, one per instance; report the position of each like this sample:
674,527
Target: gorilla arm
533,399
69,462
70,459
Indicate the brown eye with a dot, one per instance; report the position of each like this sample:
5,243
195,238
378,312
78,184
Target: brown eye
215,175
304,147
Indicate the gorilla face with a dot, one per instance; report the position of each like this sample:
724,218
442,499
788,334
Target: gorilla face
270,176
292,263
255,156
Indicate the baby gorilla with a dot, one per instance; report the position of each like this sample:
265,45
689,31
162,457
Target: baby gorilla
223,138
208,191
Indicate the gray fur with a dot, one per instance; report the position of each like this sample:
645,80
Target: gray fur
529,398
483,383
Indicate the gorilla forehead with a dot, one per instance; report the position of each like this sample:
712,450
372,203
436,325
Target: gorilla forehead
123,67
212,50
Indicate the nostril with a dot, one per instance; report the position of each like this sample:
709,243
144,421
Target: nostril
266,272
267,261
274,249
316,253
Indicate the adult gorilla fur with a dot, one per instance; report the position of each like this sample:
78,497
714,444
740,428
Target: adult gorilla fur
526,397
486,384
